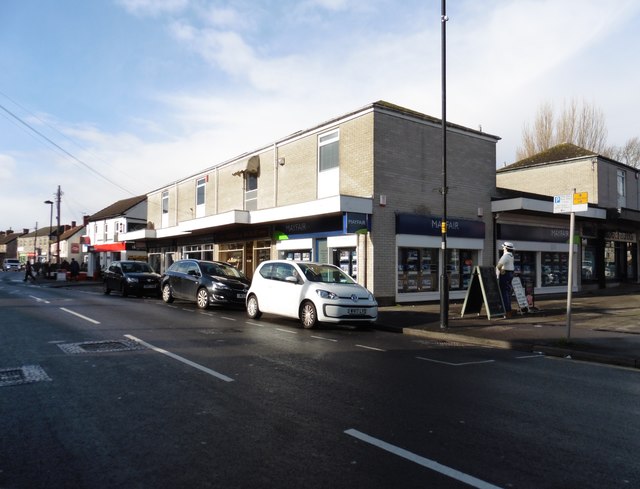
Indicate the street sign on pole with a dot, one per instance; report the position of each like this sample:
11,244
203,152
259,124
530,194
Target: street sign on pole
562,204
576,202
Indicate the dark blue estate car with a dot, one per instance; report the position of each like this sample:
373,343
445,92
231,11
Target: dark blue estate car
205,283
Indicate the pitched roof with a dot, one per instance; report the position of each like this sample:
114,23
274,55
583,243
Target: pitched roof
560,152
118,208
70,232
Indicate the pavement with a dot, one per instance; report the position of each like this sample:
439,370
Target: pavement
604,324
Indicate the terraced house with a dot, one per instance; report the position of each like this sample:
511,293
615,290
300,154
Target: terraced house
362,190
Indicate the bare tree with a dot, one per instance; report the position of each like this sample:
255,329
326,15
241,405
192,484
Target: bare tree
580,124
629,154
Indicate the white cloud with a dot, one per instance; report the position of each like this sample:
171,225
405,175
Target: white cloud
7,167
153,7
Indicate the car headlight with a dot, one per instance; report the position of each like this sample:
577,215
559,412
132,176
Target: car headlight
132,280
325,294
220,286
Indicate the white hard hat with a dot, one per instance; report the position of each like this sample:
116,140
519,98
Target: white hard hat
508,245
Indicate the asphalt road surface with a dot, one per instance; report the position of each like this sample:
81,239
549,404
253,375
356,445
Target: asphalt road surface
109,392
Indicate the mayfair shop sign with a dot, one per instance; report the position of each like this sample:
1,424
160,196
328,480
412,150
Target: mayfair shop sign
431,226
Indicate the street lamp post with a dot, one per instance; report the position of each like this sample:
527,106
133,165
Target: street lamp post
50,202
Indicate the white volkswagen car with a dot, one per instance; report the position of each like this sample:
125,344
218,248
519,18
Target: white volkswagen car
311,292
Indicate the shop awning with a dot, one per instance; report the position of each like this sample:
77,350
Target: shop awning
251,165
121,246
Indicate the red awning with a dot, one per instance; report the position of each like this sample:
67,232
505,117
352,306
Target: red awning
121,246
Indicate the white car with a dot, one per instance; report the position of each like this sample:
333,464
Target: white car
311,292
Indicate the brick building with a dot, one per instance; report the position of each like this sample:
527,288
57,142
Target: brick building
361,191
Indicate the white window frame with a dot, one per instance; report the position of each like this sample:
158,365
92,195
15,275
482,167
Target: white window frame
328,178
250,194
621,188
200,206
164,206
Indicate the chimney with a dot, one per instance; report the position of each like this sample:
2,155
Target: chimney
85,220
2,233
73,224
9,231
25,230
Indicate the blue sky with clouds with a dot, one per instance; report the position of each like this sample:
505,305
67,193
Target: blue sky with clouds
114,98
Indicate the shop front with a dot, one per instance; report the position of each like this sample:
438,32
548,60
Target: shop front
328,239
541,256
609,257
418,245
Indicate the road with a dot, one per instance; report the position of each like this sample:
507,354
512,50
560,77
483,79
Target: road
102,391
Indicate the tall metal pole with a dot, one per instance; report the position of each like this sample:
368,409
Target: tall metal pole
50,226
58,194
35,245
444,281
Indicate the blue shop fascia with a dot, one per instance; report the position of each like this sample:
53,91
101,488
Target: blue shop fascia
419,242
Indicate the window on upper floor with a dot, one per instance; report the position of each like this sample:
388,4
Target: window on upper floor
328,164
622,189
251,191
200,196
165,209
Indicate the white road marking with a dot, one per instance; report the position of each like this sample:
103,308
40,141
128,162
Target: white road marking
370,348
202,368
425,462
255,324
39,299
80,315
325,339
531,356
286,331
228,318
462,364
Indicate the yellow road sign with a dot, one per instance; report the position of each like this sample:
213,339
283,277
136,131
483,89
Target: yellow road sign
581,198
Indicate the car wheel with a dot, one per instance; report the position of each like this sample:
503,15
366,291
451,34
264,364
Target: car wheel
166,294
308,315
202,298
105,288
253,311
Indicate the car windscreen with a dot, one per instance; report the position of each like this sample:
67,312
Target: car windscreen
220,270
325,273
136,268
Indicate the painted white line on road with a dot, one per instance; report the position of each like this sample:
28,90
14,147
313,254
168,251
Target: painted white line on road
425,462
531,356
188,310
228,318
462,364
325,339
370,348
80,315
202,368
255,324
286,331
39,299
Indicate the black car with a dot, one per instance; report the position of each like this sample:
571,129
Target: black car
205,283
131,277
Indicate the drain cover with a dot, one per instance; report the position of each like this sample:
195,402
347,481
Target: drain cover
22,375
100,346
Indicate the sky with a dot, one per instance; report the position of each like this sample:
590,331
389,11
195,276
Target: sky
110,99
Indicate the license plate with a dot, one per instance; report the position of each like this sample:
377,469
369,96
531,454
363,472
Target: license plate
357,311
241,296
150,286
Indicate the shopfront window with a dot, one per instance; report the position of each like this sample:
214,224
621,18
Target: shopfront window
555,269
612,256
417,269
233,254
460,268
198,252
589,270
296,255
525,268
